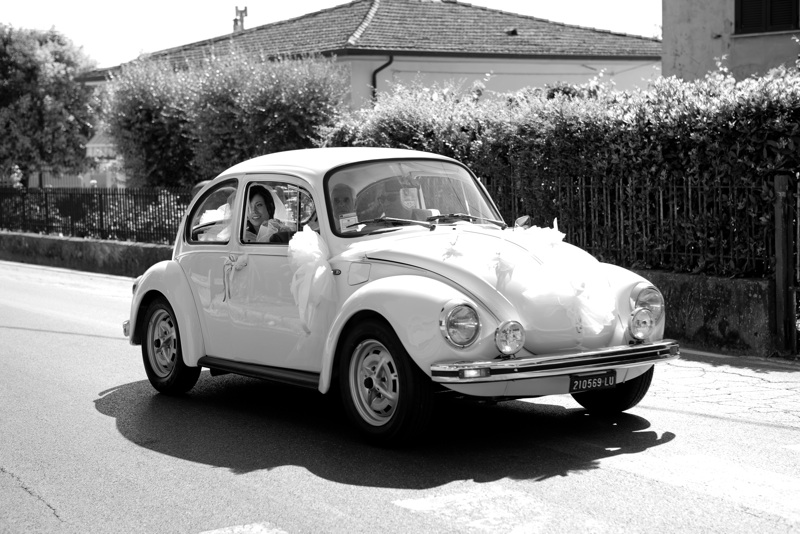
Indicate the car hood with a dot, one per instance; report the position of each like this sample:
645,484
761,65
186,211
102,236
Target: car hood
555,290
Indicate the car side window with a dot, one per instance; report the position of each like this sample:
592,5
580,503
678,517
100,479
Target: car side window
274,211
211,218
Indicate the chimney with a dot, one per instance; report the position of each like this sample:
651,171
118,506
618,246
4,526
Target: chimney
238,22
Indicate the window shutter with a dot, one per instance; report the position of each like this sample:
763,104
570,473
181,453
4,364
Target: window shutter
755,16
750,15
782,15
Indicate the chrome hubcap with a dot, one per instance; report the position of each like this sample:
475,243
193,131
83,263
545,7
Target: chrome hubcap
374,382
163,343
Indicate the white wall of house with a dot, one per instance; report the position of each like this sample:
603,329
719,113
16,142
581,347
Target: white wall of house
757,53
696,33
498,75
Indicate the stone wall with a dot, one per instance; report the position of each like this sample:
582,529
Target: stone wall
724,315
108,257
730,316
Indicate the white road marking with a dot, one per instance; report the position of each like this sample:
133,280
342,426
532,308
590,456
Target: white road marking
750,487
253,528
489,507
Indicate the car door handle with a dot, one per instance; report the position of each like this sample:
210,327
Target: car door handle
232,264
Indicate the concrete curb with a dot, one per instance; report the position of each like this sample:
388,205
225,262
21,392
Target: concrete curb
786,363
122,258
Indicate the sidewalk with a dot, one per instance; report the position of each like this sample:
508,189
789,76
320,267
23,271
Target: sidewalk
731,386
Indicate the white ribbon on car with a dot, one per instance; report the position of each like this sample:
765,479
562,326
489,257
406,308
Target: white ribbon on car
232,263
451,251
312,281
564,284
503,270
562,289
536,236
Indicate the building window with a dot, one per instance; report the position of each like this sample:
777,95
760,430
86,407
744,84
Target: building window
758,16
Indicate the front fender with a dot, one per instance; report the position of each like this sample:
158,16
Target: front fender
168,279
623,281
411,305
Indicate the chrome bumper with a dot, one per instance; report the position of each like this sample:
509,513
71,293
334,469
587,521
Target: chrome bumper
126,328
555,364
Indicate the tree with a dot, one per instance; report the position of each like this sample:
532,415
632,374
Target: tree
146,111
45,114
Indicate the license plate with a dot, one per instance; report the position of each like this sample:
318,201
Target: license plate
579,383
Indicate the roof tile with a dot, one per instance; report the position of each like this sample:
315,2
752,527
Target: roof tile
422,27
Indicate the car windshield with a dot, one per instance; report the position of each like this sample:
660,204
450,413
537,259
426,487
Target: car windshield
381,196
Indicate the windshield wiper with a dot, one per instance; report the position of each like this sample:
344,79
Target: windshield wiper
394,222
465,217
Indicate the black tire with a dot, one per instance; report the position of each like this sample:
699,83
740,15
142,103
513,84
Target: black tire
384,394
162,353
617,399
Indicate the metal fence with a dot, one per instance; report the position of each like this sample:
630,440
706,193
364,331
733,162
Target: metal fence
634,225
717,228
695,227
141,215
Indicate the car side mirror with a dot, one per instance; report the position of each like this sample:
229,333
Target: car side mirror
523,222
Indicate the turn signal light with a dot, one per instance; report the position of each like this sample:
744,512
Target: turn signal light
473,373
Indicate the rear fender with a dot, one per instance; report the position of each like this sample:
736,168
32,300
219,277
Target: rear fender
411,305
168,279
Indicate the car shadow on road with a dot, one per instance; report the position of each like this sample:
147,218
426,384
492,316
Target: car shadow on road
247,425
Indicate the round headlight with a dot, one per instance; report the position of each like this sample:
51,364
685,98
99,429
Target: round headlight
649,298
509,337
642,323
460,325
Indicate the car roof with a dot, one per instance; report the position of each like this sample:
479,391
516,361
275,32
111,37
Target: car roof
317,161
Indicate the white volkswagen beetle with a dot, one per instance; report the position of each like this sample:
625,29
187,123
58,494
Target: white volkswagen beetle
388,275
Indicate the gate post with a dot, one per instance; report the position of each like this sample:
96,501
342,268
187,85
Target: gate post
46,211
784,303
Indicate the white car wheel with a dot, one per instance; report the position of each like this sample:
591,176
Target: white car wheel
384,393
162,343
161,351
374,382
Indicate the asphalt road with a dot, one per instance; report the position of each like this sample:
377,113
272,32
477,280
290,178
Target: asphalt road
86,445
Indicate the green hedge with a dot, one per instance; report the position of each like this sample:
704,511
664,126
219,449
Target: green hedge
174,126
678,176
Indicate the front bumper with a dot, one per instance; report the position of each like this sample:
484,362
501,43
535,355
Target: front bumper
511,369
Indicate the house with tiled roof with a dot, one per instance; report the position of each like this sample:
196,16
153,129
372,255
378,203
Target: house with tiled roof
437,41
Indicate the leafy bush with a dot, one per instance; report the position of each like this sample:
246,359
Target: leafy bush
678,176
177,126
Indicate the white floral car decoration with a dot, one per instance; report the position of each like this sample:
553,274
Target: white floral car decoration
391,275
